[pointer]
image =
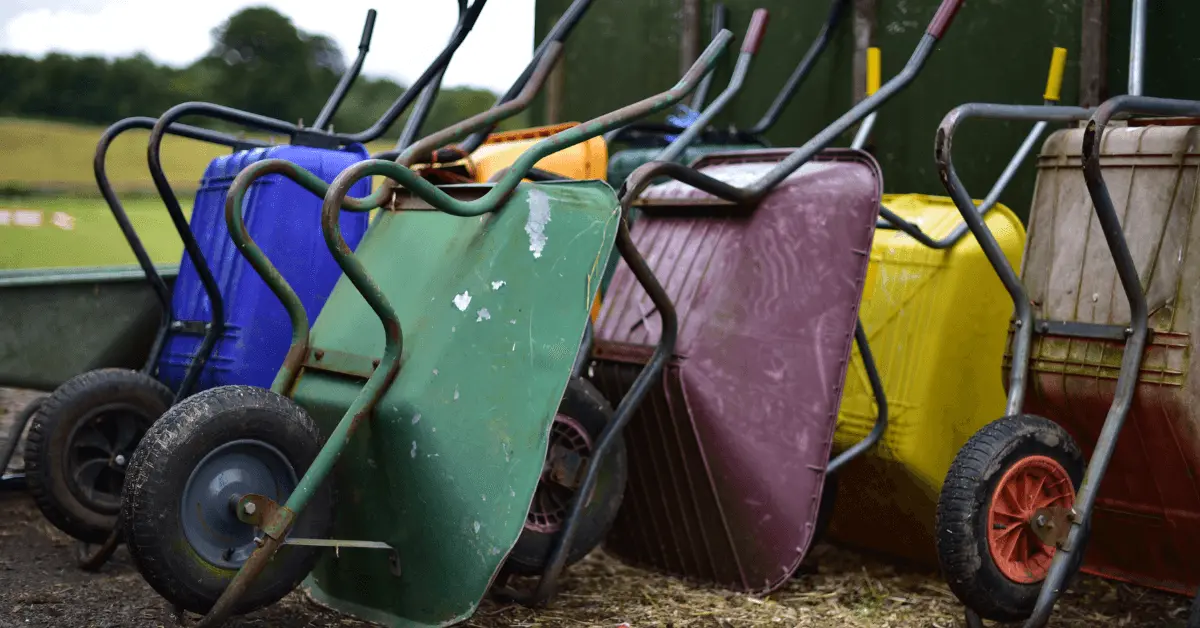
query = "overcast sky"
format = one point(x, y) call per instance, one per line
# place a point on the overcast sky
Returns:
point(408, 33)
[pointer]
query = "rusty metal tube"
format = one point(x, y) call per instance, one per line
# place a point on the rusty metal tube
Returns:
point(943, 151)
point(422, 149)
point(1135, 343)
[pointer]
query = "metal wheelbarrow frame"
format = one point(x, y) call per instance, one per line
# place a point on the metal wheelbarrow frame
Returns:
point(1062, 525)
point(274, 520)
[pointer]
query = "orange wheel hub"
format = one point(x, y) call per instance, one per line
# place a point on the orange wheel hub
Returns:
point(1032, 484)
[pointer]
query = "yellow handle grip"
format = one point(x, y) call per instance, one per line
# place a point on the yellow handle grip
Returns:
point(873, 70)
point(1058, 61)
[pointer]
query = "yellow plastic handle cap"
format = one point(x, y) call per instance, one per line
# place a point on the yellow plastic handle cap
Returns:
point(1058, 61)
point(873, 70)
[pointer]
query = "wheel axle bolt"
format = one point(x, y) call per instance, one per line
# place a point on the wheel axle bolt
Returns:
point(249, 508)
point(120, 460)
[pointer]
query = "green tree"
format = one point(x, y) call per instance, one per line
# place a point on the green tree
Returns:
point(272, 68)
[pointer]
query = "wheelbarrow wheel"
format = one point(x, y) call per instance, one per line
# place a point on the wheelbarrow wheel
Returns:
point(185, 480)
point(1194, 616)
point(79, 444)
point(582, 415)
point(16, 430)
point(825, 509)
point(1003, 486)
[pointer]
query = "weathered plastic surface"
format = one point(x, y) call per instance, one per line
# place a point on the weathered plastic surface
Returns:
point(57, 323)
point(585, 160)
point(623, 163)
point(727, 454)
point(446, 468)
point(1146, 524)
point(285, 220)
point(937, 322)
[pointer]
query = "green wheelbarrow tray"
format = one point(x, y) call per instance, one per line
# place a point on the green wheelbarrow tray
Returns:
point(107, 315)
point(494, 309)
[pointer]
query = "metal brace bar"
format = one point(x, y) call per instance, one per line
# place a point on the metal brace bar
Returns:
point(393, 555)
point(1077, 329)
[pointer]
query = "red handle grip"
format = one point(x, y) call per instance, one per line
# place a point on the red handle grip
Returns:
point(754, 34)
point(942, 19)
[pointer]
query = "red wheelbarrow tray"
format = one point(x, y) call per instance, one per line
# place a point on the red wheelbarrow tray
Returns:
point(728, 454)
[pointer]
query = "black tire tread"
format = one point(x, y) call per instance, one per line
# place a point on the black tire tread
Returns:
point(525, 558)
point(957, 543)
point(39, 441)
point(147, 531)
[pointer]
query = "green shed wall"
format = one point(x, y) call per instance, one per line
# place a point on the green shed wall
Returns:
point(996, 51)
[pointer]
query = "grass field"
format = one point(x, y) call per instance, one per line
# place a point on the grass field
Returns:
point(72, 225)
point(38, 155)
point(91, 236)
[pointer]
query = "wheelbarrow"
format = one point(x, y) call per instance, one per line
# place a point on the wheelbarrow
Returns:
point(930, 287)
point(82, 436)
point(429, 504)
point(646, 140)
point(1082, 352)
point(764, 255)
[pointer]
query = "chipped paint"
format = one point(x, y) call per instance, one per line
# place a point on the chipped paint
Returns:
point(483, 315)
point(414, 449)
point(476, 527)
point(461, 301)
point(456, 393)
point(496, 285)
point(416, 418)
point(535, 226)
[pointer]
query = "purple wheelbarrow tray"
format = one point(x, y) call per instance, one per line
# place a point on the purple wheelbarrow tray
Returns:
point(728, 454)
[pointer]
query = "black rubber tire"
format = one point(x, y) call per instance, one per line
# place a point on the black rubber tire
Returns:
point(825, 510)
point(16, 430)
point(962, 545)
point(160, 470)
point(1194, 616)
point(48, 439)
point(585, 404)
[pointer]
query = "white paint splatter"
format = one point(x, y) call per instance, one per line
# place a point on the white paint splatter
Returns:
point(483, 315)
point(539, 215)
point(414, 449)
point(476, 527)
point(461, 301)
point(514, 346)
point(496, 285)
point(483, 497)
point(416, 418)
point(512, 321)
point(435, 371)
point(456, 393)
point(435, 429)
point(512, 493)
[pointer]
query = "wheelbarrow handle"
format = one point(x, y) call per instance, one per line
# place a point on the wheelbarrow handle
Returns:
point(348, 77)
point(754, 32)
point(423, 148)
point(943, 18)
point(261, 264)
point(889, 219)
point(100, 171)
point(754, 35)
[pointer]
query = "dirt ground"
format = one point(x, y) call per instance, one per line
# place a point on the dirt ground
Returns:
point(40, 586)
